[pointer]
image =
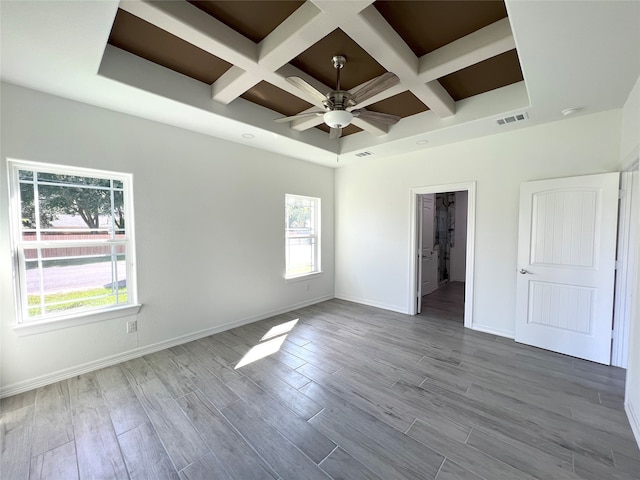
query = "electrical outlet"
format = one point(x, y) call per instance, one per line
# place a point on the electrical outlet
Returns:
point(132, 326)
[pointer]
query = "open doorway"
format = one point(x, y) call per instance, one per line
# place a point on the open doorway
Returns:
point(443, 241)
point(442, 245)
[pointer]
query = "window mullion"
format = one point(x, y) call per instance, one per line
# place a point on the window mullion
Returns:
point(115, 285)
point(36, 205)
point(112, 230)
point(114, 272)
point(40, 281)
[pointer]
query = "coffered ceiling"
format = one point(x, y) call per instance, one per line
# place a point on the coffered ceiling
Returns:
point(221, 67)
point(441, 51)
point(303, 37)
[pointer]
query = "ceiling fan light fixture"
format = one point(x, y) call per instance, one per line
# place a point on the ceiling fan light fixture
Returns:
point(337, 118)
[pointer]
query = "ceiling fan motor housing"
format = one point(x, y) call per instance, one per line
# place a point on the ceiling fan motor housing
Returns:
point(337, 115)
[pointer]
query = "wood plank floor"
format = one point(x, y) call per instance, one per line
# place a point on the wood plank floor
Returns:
point(343, 391)
point(445, 303)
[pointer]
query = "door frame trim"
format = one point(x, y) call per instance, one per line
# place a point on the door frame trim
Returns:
point(470, 188)
point(625, 260)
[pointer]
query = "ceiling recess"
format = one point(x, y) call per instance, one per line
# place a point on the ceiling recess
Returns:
point(213, 42)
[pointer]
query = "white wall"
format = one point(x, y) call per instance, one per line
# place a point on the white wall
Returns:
point(373, 208)
point(630, 143)
point(459, 249)
point(630, 126)
point(209, 228)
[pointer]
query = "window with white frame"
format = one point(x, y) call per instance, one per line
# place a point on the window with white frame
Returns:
point(72, 232)
point(302, 235)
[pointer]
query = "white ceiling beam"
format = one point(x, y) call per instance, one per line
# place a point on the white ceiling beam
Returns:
point(474, 48)
point(233, 83)
point(372, 32)
point(439, 100)
point(341, 9)
point(196, 27)
point(299, 31)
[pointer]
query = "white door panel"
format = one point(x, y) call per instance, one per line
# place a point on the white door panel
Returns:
point(566, 262)
point(429, 270)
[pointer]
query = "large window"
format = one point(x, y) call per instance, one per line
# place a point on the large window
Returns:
point(73, 241)
point(302, 235)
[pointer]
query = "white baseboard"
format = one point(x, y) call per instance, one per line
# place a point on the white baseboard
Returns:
point(634, 420)
point(371, 303)
point(493, 331)
point(30, 384)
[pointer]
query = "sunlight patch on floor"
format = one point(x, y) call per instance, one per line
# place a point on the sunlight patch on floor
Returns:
point(270, 343)
point(285, 327)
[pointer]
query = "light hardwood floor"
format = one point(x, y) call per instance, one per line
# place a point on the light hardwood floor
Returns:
point(353, 392)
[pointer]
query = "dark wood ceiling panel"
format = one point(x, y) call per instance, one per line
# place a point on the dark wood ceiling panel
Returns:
point(316, 61)
point(428, 25)
point(403, 105)
point(482, 77)
point(253, 19)
point(136, 36)
point(276, 99)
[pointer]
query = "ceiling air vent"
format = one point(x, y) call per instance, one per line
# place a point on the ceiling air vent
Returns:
point(513, 118)
point(363, 154)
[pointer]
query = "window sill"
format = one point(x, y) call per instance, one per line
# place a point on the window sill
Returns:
point(32, 328)
point(300, 278)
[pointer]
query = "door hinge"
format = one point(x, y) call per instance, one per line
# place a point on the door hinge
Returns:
point(617, 265)
point(620, 194)
point(613, 334)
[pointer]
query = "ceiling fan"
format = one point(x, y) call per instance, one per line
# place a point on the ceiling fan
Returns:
point(339, 104)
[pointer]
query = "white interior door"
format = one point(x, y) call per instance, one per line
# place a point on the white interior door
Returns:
point(429, 256)
point(566, 265)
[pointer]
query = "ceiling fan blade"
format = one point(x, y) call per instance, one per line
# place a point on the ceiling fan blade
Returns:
point(374, 87)
point(335, 133)
point(385, 118)
point(296, 117)
point(308, 88)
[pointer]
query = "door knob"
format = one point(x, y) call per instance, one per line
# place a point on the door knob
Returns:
point(523, 271)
